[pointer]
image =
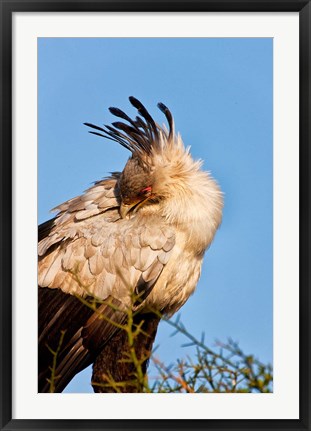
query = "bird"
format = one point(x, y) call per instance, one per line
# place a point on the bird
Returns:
point(130, 247)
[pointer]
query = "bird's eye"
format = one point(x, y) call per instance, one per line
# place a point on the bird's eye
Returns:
point(145, 191)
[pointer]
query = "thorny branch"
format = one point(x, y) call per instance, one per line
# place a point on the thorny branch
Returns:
point(228, 369)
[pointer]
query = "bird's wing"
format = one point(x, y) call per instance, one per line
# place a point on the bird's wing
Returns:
point(101, 198)
point(74, 331)
point(89, 250)
point(101, 256)
point(118, 266)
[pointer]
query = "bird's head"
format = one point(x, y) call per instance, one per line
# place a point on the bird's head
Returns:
point(138, 183)
point(160, 169)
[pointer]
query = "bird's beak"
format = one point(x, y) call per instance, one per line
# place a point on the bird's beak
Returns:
point(126, 208)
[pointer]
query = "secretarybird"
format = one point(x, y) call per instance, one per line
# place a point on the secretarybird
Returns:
point(133, 241)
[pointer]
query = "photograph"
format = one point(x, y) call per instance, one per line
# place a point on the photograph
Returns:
point(155, 215)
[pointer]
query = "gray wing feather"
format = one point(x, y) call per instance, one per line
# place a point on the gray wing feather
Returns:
point(95, 256)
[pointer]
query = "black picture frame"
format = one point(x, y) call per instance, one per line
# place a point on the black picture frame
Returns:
point(7, 9)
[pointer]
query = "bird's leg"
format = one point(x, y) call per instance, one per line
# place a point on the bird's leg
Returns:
point(114, 369)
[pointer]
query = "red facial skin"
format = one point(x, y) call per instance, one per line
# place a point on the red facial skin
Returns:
point(146, 189)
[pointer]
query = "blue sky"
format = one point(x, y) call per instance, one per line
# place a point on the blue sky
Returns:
point(220, 93)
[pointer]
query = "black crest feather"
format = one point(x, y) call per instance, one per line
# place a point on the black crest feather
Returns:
point(141, 134)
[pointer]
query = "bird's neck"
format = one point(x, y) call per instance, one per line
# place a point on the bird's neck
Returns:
point(192, 199)
point(196, 210)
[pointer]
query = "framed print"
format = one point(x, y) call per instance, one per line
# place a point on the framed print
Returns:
point(235, 77)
